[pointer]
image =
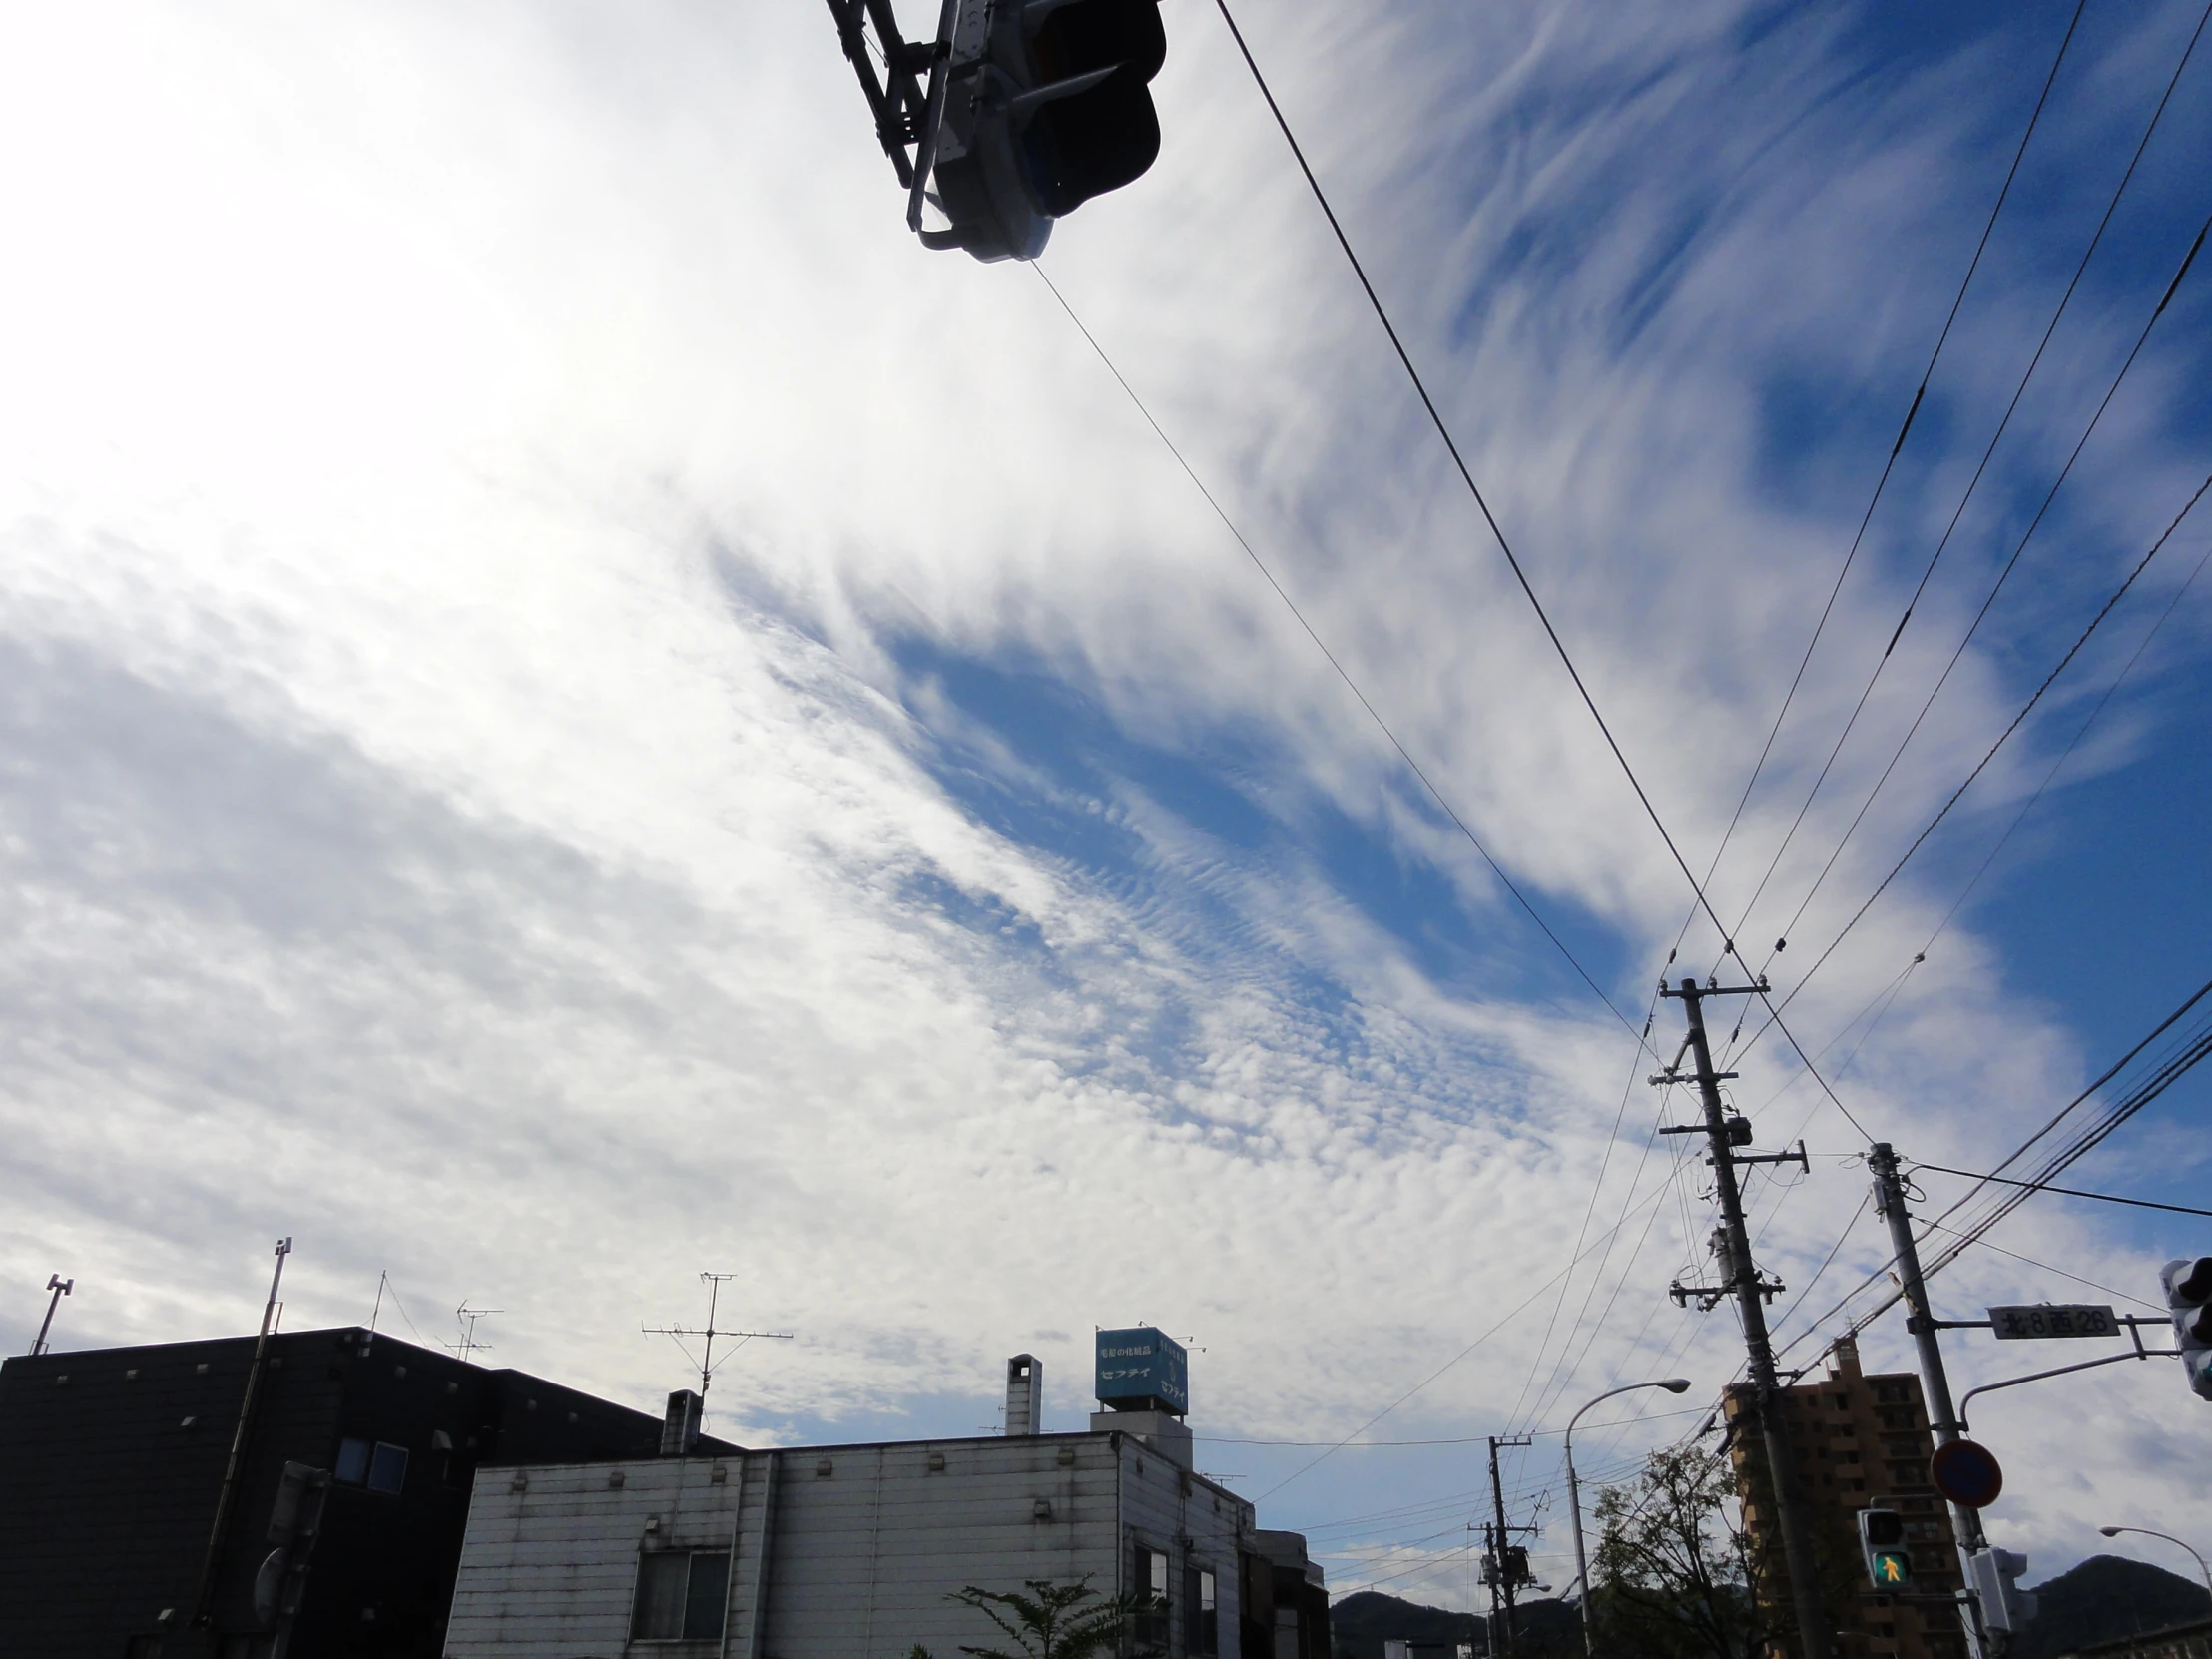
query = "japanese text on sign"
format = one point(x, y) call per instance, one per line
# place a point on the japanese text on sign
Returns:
point(2054, 1318)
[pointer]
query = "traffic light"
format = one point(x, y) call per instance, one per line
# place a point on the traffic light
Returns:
point(1994, 1573)
point(2188, 1284)
point(1033, 107)
point(1882, 1542)
point(1048, 105)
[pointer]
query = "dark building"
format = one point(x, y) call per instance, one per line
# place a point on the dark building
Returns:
point(1286, 1604)
point(1861, 1442)
point(112, 1470)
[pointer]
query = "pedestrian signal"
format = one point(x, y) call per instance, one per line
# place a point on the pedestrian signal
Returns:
point(1882, 1542)
point(2188, 1284)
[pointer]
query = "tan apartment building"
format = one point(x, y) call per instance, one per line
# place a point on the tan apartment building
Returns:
point(1859, 1443)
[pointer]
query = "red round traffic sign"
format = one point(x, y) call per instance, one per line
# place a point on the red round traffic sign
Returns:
point(1967, 1472)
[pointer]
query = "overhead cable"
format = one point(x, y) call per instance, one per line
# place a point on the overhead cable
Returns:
point(1466, 475)
point(1342, 674)
point(1882, 483)
point(1988, 452)
point(2004, 736)
point(2070, 1192)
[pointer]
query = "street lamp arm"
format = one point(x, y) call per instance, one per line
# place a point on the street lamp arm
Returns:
point(1673, 1384)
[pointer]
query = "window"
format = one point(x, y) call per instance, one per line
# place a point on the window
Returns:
point(1149, 1627)
point(376, 1465)
point(387, 1469)
point(681, 1595)
point(352, 1468)
point(1204, 1634)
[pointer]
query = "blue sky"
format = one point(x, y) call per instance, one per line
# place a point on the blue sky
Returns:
point(581, 710)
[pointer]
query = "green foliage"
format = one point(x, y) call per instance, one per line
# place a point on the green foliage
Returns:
point(1675, 1576)
point(1051, 1621)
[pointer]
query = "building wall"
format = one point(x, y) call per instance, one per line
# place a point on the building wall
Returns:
point(849, 1552)
point(1861, 1442)
point(111, 1469)
point(2180, 1641)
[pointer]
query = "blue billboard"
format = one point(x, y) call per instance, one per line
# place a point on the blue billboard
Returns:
point(1143, 1369)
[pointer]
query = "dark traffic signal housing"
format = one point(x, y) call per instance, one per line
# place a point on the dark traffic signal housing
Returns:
point(1030, 108)
point(2188, 1285)
point(1882, 1542)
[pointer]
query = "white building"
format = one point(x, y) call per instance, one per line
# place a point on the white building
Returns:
point(852, 1551)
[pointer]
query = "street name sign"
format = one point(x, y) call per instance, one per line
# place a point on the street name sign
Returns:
point(2052, 1318)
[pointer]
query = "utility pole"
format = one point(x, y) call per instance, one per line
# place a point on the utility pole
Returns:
point(60, 1287)
point(1494, 1570)
point(714, 1283)
point(1740, 1278)
point(1943, 1418)
point(204, 1602)
point(1504, 1579)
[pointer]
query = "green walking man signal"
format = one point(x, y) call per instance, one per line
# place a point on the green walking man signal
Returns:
point(1881, 1541)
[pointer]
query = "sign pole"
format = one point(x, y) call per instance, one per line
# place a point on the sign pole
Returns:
point(1943, 1420)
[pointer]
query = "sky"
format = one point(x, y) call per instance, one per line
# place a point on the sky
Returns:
point(581, 711)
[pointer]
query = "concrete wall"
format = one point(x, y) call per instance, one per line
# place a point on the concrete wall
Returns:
point(846, 1551)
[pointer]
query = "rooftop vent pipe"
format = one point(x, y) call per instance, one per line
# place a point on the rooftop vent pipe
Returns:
point(1024, 1395)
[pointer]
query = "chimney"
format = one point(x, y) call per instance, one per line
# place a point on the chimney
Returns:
point(1024, 1395)
point(679, 1428)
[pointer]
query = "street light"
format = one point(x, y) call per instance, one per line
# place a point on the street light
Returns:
point(2115, 1532)
point(1673, 1385)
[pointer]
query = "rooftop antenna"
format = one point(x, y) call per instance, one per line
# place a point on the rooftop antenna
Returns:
point(60, 1287)
point(466, 1316)
point(676, 1333)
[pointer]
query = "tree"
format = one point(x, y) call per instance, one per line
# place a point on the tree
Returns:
point(1675, 1576)
point(1051, 1621)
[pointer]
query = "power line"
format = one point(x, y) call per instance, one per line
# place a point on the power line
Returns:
point(2070, 1192)
point(1459, 1440)
point(1887, 467)
point(1466, 475)
point(2067, 753)
point(2019, 391)
point(1889, 994)
point(2124, 1296)
point(2003, 577)
point(2003, 738)
point(1628, 1090)
point(1322, 645)
point(2170, 1069)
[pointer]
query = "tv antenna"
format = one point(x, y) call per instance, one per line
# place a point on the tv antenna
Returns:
point(466, 1316)
point(706, 1360)
point(60, 1287)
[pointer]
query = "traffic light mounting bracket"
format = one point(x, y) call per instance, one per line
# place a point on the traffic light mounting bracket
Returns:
point(908, 114)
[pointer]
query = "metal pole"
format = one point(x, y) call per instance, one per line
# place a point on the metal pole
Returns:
point(1504, 1584)
point(1673, 1385)
point(1743, 1279)
point(60, 1287)
point(1581, 1565)
point(238, 1443)
point(1943, 1416)
point(1498, 1571)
